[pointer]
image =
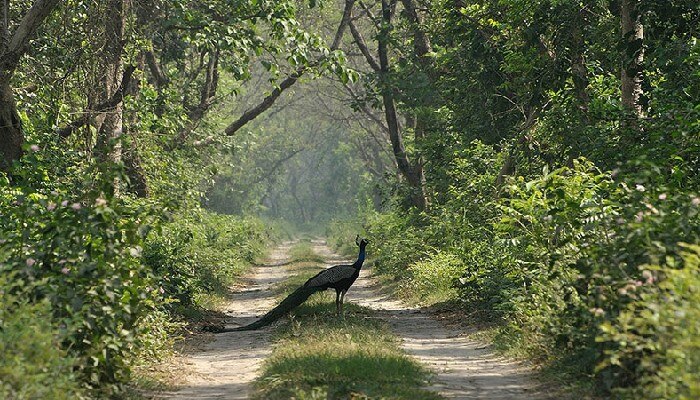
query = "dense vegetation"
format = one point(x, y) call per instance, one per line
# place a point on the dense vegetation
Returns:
point(105, 246)
point(561, 194)
point(532, 164)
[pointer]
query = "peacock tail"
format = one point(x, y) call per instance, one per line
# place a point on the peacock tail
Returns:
point(288, 304)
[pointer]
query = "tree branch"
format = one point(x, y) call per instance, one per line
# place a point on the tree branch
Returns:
point(268, 101)
point(366, 109)
point(16, 47)
point(362, 45)
point(206, 98)
point(110, 103)
point(156, 71)
point(276, 166)
point(347, 13)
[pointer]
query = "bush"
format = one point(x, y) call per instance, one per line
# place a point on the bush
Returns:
point(564, 262)
point(341, 236)
point(396, 242)
point(655, 337)
point(202, 253)
point(33, 365)
point(545, 226)
point(81, 256)
point(575, 239)
point(434, 278)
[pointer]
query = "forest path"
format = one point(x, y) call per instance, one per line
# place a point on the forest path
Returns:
point(226, 367)
point(464, 368)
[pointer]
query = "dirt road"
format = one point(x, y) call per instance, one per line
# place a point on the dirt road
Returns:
point(464, 368)
point(226, 367)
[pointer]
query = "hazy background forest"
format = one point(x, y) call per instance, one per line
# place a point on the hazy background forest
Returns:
point(532, 164)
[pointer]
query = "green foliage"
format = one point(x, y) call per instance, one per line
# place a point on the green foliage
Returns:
point(561, 261)
point(654, 337)
point(554, 212)
point(341, 234)
point(395, 251)
point(575, 239)
point(81, 255)
point(202, 253)
point(549, 201)
point(545, 227)
point(99, 270)
point(435, 278)
point(33, 365)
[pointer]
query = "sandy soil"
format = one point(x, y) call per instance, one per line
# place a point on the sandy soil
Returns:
point(225, 367)
point(464, 368)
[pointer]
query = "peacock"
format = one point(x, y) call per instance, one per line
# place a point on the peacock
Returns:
point(339, 277)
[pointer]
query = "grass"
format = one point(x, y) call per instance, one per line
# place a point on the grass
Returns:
point(304, 251)
point(319, 356)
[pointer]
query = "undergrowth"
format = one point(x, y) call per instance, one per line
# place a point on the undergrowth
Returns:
point(577, 269)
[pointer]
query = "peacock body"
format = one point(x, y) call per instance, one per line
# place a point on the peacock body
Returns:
point(338, 277)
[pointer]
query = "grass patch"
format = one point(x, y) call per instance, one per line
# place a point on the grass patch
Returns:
point(319, 356)
point(304, 251)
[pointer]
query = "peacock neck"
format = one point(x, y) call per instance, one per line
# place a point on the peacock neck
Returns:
point(360, 258)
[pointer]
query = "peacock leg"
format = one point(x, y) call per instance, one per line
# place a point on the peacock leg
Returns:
point(342, 301)
point(338, 303)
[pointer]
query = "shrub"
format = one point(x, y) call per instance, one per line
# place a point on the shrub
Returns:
point(396, 242)
point(81, 256)
point(655, 337)
point(434, 278)
point(341, 236)
point(202, 253)
point(561, 260)
point(33, 365)
point(545, 225)
point(572, 243)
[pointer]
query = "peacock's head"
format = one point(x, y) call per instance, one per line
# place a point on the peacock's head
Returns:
point(361, 242)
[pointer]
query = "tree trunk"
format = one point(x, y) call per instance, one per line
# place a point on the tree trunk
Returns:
point(111, 126)
point(138, 184)
point(413, 174)
point(421, 41)
point(631, 74)
point(420, 195)
point(579, 72)
point(11, 137)
point(12, 48)
point(300, 204)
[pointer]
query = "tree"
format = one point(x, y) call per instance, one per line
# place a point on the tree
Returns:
point(110, 122)
point(12, 48)
point(633, 56)
point(410, 167)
